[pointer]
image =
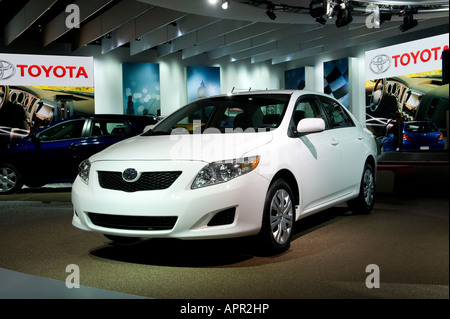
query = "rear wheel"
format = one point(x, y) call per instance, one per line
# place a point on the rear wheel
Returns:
point(363, 204)
point(10, 179)
point(278, 219)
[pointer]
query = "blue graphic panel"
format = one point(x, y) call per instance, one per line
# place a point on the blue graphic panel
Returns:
point(141, 88)
point(336, 81)
point(294, 79)
point(202, 82)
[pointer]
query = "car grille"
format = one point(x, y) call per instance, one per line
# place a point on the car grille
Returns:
point(146, 182)
point(133, 222)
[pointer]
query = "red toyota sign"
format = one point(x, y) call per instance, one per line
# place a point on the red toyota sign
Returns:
point(45, 70)
point(406, 58)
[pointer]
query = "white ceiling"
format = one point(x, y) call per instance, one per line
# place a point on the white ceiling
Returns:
point(195, 27)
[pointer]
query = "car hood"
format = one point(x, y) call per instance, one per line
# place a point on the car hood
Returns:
point(190, 147)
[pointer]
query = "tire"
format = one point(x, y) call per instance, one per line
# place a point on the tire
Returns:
point(10, 179)
point(278, 219)
point(363, 204)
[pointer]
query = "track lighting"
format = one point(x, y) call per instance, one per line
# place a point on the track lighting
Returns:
point(270, 13)
point(344, 16)
point(318, 8)
point(408, 20)
point(322, 10)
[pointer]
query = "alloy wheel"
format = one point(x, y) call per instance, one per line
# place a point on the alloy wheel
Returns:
point(8, 179)
point(368, 187)
point(281, 216)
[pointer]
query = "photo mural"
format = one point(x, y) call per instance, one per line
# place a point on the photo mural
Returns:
point(336, 81)
point(202, 82)
point(406, 96)
point(38, 90)
point(295, 79)
point(141, 89)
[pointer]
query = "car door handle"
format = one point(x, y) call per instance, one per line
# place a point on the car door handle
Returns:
point(73, 146)
point(334, 142)
point(360, 138)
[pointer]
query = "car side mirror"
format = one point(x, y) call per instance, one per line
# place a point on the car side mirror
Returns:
point(310, 125)
point(35, 141)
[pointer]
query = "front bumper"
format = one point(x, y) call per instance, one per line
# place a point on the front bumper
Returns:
point(193, 209)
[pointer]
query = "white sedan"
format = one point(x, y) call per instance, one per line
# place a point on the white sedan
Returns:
point(245, 164)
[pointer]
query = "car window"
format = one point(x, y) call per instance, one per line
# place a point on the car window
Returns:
point(420, 127)
point(337, 116)
point(105, 127)
point(63, 131)
point(306, 108)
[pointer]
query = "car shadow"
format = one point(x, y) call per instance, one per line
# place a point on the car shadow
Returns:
point(207, 253)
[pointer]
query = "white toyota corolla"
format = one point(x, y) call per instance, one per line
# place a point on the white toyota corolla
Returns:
point(230, 166)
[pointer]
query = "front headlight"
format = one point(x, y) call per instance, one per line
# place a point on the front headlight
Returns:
point(223, 171)
point(83, 171)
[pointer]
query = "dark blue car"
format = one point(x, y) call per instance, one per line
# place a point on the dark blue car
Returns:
point(52, 154)
point(416, 136)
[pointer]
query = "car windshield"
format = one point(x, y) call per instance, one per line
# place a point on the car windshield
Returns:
point(234, 113)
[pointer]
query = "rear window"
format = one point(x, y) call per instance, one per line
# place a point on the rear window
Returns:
point(424, 127)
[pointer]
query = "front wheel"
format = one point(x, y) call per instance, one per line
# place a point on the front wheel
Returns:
point(10, 179)
point(278, 219)
point(363, 204)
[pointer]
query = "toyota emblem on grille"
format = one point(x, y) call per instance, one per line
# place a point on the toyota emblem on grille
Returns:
point(130, 175)
point(7, 70)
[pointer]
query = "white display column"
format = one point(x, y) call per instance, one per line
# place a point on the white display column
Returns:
point(357, 88)
point(310, 78)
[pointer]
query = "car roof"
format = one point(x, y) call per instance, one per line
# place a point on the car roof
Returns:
point(268, 92)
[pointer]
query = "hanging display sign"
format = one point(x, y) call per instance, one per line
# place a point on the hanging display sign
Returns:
point(406, 58)
point(46, 70)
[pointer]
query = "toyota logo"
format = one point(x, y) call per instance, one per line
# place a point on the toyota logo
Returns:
point(380, 64)
point(130, 175)
point(7, 70)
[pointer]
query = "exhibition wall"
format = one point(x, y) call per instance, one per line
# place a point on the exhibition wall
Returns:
point(235, 76)
point(239, 75)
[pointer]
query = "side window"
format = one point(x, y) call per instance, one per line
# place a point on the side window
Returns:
point(63, 131)
point(103, 127)
point(337, 116)
point(306, 109)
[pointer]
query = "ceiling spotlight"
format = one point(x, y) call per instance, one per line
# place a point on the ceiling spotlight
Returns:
point(270, 12)
point(318, 8)
point(212, 1)
point(385, 16)
point(408, 21)
point(225, 4)
point(344, 16)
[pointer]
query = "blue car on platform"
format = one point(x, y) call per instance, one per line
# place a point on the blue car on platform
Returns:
point(416, 136)
point(53, 154)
